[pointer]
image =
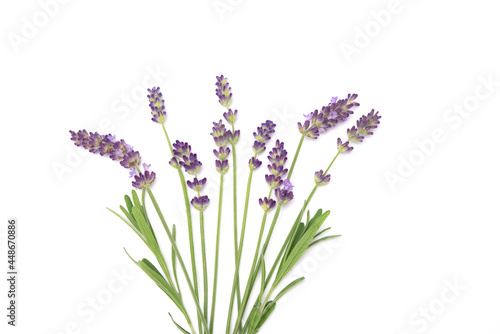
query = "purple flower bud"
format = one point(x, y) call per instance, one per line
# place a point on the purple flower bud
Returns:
point(191, 164)
point(283, 196)
point(230, 116)
point(267, 204)
point(222, 166)
point(80, 138)
point(233, 138)
point(343, 147)
point(264, 131)
point(218, 130)
point(221, 141)
point(200, 203)
point(174, 162)
point(222, 153)
point(144, 180)
point(321, 179)
point(197, 185)
point(181, 149)
point(157, 105)
point(254, 163)
point(131, 159)
point(277, 155)
point(273, 181)
point(258, 147)
point(223, 91)
point(277, 170)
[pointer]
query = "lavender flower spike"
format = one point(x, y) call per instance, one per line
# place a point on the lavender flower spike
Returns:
point(230, 116)
point(144, 180)
point(283, 196)
point(200, 203)
point(223, 91)
point(267, 204)
point(222, 166)
point(197, 185)
point(254, 163)
point(321, 179)
point(343, 147)
point(157, 105)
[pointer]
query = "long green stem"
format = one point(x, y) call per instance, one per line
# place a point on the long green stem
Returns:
point(216, 266)
point(235, 217)
point(204, 261)
point(179, 257)
point(240, 251)
point(295, 157)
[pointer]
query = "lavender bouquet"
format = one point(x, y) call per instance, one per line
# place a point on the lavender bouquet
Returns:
point(243, 315)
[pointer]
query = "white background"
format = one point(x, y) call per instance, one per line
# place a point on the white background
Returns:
point(404, 241)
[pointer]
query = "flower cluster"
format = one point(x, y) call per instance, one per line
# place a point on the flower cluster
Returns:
point(356, 134)
point(157, 105)
point(336, 111)
point(117, 150)
point(223, 91)
point(262, 136)
point(183, 157)
point(321, 179)
point(219, 133)
point(284, 194)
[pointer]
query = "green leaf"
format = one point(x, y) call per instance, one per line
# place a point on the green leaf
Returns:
point(132, 226)
point(324, 238)
point(129, 204)
point(322, 231)
point(313, 226)
point(130, 217)
point(288, 287)
point(146, 230)
point(253, 320)
point(178, 326)
point(135, 198)
point(316, 216)
point(267, 312)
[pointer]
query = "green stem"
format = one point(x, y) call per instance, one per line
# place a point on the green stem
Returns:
point(240, 251)
point(235, 218)
point(295, 157)
point(205, 271)
point(216, 266)
point(179, 257)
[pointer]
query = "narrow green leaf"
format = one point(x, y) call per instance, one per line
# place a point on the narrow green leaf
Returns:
point(322, 231)
point(253, 320)
point(135, 198)
point(146, 230)
point(267, 312)
point(129, 204)
point(316, 216)
point(308, 216)
point(130, 217)
point(324, 238)
point(178, 326)
point(162, 283)
point(288, 287)
point(129, 224)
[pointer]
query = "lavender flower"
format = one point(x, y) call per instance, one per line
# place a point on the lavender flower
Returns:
point(258, 147)
point(233, 137)
point(222, 153)
point(343, 147)
point(264, 131)
point(223, 91)
point(219, 129)
point(174, 162)
point(190, 163)
point(197, 185)
point(287, 185)
point(200, 203)
point(157, 105)
point(356, 134)
point(254, 163)
point(230, 116)
point(273, 181)
point(222, 166)
point(117, 150)
point(283, 196)
point(320, 179)
point(144, 180)
point(267, 204)
point(181, 149)
point(277, 170)
point(221, 141)
point(319, 122)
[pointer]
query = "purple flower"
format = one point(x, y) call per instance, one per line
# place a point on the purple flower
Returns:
point(233, 137)
point(283, 196)
point(181, 149)
point(364, 127)
point(200, 203)
point(223, 91)
point(131, 159)
point(321, 179)
point(197, 185)
point(343, 147)
point(277, 155)
point(157, 105)
point(219, 129)
point(258, 147)
point(190, 163)
point(174, 162)
point(273, 181)
point(264, 131)
point(277, 170)
point(267, 204)
point(254, 163)
point(287, 185)
point(80, 138)
point(221, 141)
point(319, 122)
point(222, 153)
point(222, 166)
point(230, 116)
point(144, 180)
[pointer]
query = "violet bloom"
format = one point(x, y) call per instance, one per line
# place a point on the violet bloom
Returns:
point(144, 180)
point(200, 203)
point(181, 149)
point(343, 147)
point(190, 163)
point(222, 153)
point(157, 105)
point(267, 204)
point(336, 111)
point(197, 185)
point(264, 131)
point(356, 134)
point(287, 185)
point(258, 147)
point(254, 163)
point(223, 91)
point(230, 116)
point(117, 150)
point(273, 181)
point(283, 196)
point(233, 137)
point(320, 179)
point(222, 166)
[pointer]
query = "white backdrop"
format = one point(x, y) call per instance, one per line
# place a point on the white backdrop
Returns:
point(415, 203)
